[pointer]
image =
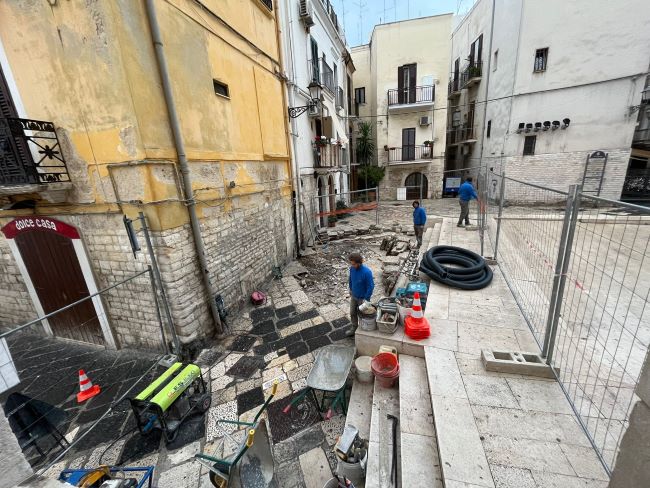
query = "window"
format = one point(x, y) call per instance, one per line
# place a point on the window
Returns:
point(476, 52)
point(406, 83)
point(541, 58)
point(495, 63)
point(529, 145)
point(221, 88)
point(315, 72)
point(489, 129)
point(360, 95)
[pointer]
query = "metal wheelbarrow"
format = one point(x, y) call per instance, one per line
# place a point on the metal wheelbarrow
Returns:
point(328, 375)
point(251, 463)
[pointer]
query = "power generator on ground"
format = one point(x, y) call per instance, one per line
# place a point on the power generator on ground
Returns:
point(170, 399)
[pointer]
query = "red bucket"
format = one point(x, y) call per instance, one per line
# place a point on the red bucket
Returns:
point(385, 368)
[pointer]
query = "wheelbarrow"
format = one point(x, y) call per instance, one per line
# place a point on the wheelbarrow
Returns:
point(328, 376)
point(251, 463)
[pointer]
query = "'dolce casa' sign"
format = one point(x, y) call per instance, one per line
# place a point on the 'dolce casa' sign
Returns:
point(42, 224)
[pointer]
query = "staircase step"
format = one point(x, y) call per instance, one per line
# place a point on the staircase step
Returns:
point(418, 447)
point(384, 401)
point(360, 408)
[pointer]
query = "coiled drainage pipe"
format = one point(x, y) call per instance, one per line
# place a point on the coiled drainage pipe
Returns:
point(457, 267)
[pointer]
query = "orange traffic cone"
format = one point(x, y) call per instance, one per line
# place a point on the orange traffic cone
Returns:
point(415, 325)
point(86, 388)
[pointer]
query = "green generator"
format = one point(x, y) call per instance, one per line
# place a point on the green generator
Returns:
point(170, 399)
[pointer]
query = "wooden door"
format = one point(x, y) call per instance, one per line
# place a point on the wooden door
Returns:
point(54, 269)
point(408, 144)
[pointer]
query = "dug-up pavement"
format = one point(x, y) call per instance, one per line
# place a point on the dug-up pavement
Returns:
point(476, 428)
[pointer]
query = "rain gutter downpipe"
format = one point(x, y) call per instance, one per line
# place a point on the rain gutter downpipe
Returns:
point(179, 143)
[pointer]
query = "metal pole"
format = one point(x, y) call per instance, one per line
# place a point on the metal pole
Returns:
point(559, 264)
point(177, 134)
point(155, 300)
point(565, 267)
point(377, 209)
point(502, 192)
point(69, 305)
point(156, 270)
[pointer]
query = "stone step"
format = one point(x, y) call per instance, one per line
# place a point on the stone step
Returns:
point(462, 458)
point(360, 408)
point(384, 401)
point(420, 466)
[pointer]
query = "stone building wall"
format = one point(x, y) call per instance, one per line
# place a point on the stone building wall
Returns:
point(560, 170)
point(396, 175)
point(15, 305)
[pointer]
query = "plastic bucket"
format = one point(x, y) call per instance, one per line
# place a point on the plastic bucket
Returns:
point(384, 364)
point(389, 380)
point(333, 483)
point(364, 370)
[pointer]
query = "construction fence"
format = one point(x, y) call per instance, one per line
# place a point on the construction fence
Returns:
point(579, 268)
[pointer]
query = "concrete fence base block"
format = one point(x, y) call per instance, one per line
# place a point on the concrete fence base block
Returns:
point(515, 362)
point(471, 227)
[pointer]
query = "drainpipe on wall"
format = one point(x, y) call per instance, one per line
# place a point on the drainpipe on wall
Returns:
point(487, 84)
point(290, 134)
point(179, 143)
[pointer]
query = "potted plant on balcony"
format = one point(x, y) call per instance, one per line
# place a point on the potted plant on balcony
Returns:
point(320, 141)
point(426, 150)
point(474, 71)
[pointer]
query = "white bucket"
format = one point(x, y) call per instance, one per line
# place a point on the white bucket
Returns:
point(367, 321)
point(364, 371)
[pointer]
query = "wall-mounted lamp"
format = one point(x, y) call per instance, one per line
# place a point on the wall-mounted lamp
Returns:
point(565, 123)
point(529, 127)
point(314, 93)
point(556, 125)
point(547, 125)
point(538, 126)
point(520, 129)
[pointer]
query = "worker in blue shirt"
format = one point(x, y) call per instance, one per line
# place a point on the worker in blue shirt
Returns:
point(466, 193)
point(361, 287)
point(419, 220)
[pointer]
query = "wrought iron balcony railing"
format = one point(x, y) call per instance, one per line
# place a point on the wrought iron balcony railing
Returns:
point(409, 153)
point(454, 86)
point(327, 156)
point(460, 134)
point(472, 72)
point(421, 94)
point(30, 153)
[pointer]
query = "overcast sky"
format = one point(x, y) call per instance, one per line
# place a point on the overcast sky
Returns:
point(362, 15)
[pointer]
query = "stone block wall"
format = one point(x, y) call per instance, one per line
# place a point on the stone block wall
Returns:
point(15, 305)
point(560, 170)
point(397, 174)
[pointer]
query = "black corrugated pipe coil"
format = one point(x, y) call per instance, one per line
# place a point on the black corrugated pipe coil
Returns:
point(456, 267)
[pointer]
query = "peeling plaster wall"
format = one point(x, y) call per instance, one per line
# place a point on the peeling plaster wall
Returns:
point(92, 72)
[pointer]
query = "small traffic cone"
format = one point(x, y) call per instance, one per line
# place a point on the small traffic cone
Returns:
point(415, 325)
point(86, 388)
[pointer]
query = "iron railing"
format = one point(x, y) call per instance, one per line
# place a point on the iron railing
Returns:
point(577, 265)
point(472, 71)
point(409, 153)
point(327, 77)
point(268, 4)
point(460, 134)
point(30, 153)
point(636, 185)
point(327, 156)
point(314, 71)
point(421, 94)
point(454, 86)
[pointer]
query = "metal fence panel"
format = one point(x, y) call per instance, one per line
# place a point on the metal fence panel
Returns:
point(579, 267)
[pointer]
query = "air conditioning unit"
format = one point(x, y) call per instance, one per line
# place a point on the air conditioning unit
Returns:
point(424, 120)
point(314, 111)
point(307, 13)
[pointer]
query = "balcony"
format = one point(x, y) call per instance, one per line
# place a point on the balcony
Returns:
point(472, 74)
point(453, 90)
point(30, 157)
point(460, 135)
point(327, 77)
point(409, 154)
point(327, 156)
point(420, 97)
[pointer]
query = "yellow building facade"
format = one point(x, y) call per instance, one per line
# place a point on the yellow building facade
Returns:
point(90, 68)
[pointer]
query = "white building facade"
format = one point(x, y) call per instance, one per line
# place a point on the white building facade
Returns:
point(537, 87)
point(400, 88)
point(315, 52)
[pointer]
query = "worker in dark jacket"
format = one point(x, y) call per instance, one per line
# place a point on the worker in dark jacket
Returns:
point(419, 220)
point(361, 288)
point(466, 193)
